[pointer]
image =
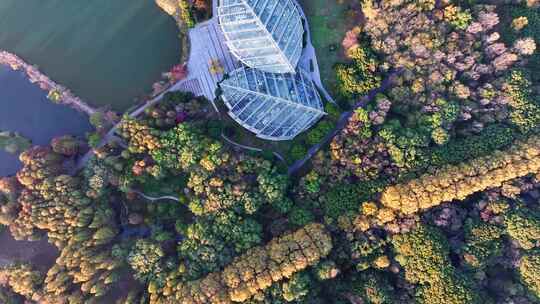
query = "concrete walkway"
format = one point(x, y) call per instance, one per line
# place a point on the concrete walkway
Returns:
point(159, 198)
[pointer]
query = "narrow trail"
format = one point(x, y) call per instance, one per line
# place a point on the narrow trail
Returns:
point(342, 122)
point(158, 198)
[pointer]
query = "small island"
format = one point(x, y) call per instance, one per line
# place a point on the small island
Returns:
point(13, 142)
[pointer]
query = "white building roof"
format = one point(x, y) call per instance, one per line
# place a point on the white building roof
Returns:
point(263, 34)
point(273, 106)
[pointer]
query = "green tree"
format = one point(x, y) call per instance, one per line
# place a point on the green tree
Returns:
point(423, 253)
point(145, 259)
point(523, 225)
point(297, 287)
point(373, 287)
point(482, 243)
point(529, 272)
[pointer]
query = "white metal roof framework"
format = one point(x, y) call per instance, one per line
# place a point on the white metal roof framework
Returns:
point(273, 106)
point(263, 34)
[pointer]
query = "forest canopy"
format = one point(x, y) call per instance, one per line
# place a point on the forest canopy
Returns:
point(426, 190)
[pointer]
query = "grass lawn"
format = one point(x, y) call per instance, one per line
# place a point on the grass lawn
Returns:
point(329, 20)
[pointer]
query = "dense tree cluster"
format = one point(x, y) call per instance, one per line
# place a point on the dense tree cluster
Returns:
point(66, 145)
point(23, 280)
point(358, 77)
point(141, 137)
point(524, 109)
point(224, 192)
point(174, 107)
point(451, 77)
point(9, 207)
point(256, 270)
point(212, 242)
point(144, 259)
point(529, 272)
point(179, 216)
point(453, 62)
point(424, 255)
point(483, 243)
point(523, 226)
point(373, 288)
point(457, 182)
point(523, 23)
point(218, 179)
point(357, 150)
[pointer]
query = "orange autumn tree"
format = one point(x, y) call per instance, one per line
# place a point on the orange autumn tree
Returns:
point(453, 182)
point(254, 271)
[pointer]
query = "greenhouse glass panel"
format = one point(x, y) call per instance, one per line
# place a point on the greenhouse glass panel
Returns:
point(273, 106)
point(272, 25)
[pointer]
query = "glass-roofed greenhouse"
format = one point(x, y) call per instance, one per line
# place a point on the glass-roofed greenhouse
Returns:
point(273, 106)
point(263, 34)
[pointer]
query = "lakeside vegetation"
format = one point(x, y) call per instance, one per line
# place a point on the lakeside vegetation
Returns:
point(429, 194)
point(13, 142)
point(104, 51)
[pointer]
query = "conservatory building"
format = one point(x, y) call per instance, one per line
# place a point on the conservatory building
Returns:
point(263, 34)
point(273, 106)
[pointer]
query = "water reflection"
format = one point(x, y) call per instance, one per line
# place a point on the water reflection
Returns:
point(24, 108)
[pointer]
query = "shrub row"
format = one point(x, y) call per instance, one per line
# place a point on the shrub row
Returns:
point(493, 137)
point(457, 182)
point(259, 267)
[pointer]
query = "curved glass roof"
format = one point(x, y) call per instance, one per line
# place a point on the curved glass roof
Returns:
point(273, 106)
point(263, 34)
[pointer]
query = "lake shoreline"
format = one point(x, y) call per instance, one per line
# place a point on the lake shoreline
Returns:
point(62, 94)
point(26, 110)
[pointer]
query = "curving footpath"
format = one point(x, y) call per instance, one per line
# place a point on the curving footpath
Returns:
point(159, 198)
point(232, 142)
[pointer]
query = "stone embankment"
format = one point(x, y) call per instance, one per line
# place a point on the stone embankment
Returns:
point(56, 92)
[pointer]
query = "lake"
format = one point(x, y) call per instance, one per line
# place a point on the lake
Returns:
point(24, 108)
point(108, 52)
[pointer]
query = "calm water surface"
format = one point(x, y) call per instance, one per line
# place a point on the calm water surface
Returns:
point(106, 51)
point(24, 108)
